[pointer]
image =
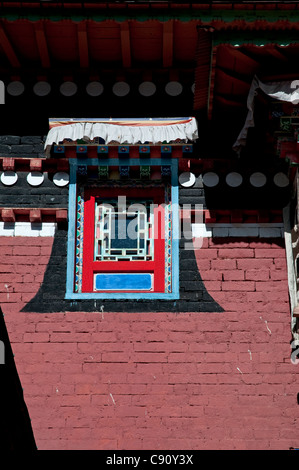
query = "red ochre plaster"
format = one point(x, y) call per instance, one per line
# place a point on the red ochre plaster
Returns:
point(159, 380)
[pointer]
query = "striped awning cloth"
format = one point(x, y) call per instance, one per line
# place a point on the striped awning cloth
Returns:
point(122, 131)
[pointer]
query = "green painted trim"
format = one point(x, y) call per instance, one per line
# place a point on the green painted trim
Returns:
point(206, 16)
point(257, 38)
point(233, 38)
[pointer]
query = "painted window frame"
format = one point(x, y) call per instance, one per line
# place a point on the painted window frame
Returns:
point(70, 288)
point(92, 267)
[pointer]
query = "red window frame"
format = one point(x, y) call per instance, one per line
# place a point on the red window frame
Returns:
point(155, 266)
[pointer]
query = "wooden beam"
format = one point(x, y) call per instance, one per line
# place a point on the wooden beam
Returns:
point(42, 45)
point(36, 164)
point(8, 164)
point(274, 52)
point(236, 216)
point(35, 215)
point(8, 215)
point(227, 84)
point(168, 43)
point(228, 102)
point(8, 49)
point(212, 83)
point(83, 45)
point(203, 69)
point(244, 58)
point(61, 215)
point(125, 43)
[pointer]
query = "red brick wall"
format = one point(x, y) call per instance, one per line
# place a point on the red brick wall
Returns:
point(160, 380)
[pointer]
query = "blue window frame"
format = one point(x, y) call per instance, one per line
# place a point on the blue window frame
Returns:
point(172, 270)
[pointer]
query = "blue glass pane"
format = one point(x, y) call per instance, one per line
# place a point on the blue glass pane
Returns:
point(123, 281)
point(120, 235)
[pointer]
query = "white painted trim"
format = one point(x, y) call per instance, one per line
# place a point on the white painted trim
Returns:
point(27, 229)
point(201, 230)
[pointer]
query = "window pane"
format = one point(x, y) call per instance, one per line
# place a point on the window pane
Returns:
point(125, 232)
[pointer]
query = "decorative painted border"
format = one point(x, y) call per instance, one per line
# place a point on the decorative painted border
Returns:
point(79, 240)
point(205, 15)
point(173, 255)
point(168, 239)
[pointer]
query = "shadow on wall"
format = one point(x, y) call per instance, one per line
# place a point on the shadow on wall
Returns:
point(50, 297)
point(15, 426)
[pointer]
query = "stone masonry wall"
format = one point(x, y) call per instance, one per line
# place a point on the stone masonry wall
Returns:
point(196, 380)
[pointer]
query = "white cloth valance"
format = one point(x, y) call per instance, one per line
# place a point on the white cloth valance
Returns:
point(122, 131)
point(282, 91)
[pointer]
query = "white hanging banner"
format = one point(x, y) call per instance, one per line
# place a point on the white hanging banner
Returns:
point(283, 91)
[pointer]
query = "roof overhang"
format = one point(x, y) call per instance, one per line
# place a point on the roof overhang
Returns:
point(159, 42)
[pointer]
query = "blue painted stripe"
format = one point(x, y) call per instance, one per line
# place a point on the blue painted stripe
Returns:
point(123, 281)
point(71, 228)
point(121, 295)
point(175, 228)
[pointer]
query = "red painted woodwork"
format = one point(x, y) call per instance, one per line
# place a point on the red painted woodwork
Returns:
point(36, 164)
point(35, 215)
point(8, 49)
point(8, 215)
point(42, 45)
point(90, 267)
point(61, 215)
point(8, 164)
point(83, 45)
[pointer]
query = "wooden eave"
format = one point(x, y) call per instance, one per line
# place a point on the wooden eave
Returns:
point(105, 39)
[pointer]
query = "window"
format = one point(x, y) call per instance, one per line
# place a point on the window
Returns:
point(123, 233)
point(124, 241)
